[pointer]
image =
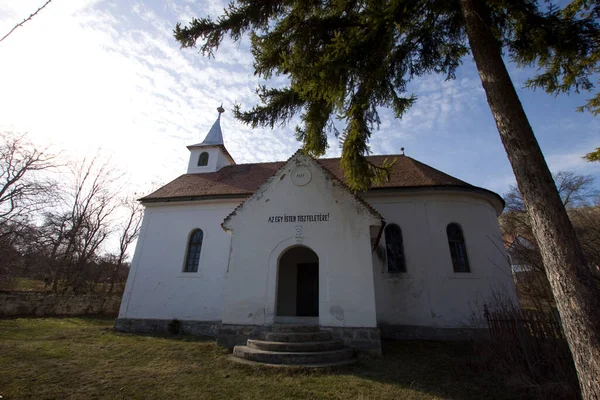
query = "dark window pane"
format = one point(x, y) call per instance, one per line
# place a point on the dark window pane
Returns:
point(194, 250)
point(394, 249)
point(458, 249)
point(203, 159)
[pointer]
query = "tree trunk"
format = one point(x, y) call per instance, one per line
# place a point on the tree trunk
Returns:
point(570, 278)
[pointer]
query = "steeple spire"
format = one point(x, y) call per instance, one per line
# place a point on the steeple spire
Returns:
point(210, 155)
point(215, 135)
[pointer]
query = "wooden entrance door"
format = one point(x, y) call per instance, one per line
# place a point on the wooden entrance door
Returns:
point(307, 290)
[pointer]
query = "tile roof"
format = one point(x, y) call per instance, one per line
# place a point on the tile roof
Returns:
point(243, 179)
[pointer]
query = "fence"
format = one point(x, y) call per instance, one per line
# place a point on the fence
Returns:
point(536, 325)
point(531, 346)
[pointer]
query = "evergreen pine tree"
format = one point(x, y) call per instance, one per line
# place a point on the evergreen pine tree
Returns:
point(346, 58)
point(565, 46)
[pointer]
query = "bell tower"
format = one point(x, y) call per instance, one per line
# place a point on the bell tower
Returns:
point(210, 155)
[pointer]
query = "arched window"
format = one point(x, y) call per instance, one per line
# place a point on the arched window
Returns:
point(193, 251)
point(394, 249)
point(458, 250)
point(203, 159)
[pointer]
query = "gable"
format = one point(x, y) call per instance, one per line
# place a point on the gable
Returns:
point(302, 185)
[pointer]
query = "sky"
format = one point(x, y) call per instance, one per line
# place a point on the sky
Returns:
point(103, 75)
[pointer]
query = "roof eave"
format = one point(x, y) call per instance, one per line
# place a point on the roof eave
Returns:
point(173, 199)
point(459, 188)
point(203, 145)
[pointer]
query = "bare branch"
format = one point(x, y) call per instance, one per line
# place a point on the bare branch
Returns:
point(23, 190)
point(78, 230)
point(25, 20)
point(574, 190)
point(130, 229)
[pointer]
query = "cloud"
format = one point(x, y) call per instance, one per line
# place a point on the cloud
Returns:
point(104, 74)
point(108, 74)
point(572, 161)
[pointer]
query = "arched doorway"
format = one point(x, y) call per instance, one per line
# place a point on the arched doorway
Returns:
point(298, 283)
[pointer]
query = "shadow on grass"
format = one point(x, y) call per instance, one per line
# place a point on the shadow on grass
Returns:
point(90, 350)
point(419, 369)
point(441, 369)
point(179, 337)
point(450, 370)
point(446, 369)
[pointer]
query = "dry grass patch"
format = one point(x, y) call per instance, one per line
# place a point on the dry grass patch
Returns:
point(76, 358)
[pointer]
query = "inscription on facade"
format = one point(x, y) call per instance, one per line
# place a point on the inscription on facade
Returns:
point(276, 219)
point(300, 176)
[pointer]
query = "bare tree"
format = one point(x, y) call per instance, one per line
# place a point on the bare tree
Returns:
point(76, 232)
point(577, 193)
point(129, 232)
point(532, 285)
point(22, 188)
point(77, 215)
point(586, 221)
point(25, 189)
point(574, 190)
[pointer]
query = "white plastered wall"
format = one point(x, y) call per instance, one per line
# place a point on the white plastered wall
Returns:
point(157, 287)
point(346, 291)
point(354, 286)
point(430, 293)
point(216, 159)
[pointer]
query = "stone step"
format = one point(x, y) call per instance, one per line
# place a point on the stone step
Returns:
point(296, 347)
point(290, 328)
point(293, 358)
point(296, 337)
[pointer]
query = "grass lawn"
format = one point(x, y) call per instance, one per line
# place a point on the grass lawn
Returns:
point(80, 358)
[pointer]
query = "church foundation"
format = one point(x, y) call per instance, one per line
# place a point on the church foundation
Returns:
point(359, 338)
point(164, 326)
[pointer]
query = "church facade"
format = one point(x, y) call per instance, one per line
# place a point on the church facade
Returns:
point(230, 250)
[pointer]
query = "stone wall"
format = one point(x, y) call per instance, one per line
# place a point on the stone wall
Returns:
point(360, 338)
point(13, 304)
point(164, 326)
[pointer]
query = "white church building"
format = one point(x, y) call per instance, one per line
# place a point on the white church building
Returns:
point(230, 250)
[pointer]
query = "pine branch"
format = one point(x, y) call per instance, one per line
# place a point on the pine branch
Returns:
point(25, 20)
